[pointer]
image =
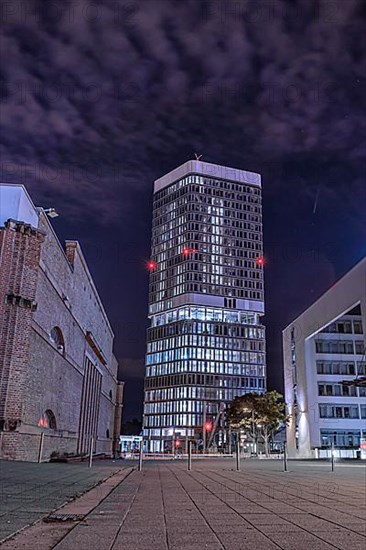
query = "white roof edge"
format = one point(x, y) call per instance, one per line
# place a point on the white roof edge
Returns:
point(360, 266)
point(207, 169)
point(23, 187)
point(17, 204)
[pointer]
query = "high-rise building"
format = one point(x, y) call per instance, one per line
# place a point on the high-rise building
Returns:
point(206, 343)
point(324, 366)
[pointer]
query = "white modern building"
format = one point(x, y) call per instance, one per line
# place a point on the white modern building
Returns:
point(324, 347)
point(206, 343)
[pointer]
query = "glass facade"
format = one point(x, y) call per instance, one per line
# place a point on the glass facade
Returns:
point(205, 344)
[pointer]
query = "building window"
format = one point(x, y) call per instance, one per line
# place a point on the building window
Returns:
point(359, 348)
point(89, 410)
point(332, 346)
point(338, 411)
point(336, 367)
point(357, 327)
point(57, 339)
point(336, 390)
point(47, 420)
point(340, 438)
point(361, 368)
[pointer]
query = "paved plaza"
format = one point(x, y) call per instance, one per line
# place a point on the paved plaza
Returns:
point(215, 507)
point(29, 491)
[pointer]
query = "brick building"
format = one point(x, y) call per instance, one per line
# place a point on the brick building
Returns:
point(58, 374)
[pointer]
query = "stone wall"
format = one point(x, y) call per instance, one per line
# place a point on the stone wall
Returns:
point(20, 247)
point(53, 375)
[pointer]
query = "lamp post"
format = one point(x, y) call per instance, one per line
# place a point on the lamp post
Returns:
point(284, 456)
point(238, 451)
point(205, 336)
point(91, 452)
point(204, 428)
point(141, 450)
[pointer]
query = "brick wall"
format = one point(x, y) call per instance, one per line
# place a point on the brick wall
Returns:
point(20, 247)
point(15, 445)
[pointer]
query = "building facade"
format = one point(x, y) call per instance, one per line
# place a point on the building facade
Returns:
point(324, 347)
point(58, 375)
point(206, 343)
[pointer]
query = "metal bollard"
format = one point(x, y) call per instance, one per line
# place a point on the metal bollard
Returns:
point(189, 455)
point(40, 450)
point(141, 450)
point(332, 457)
point(285, 457)
point(238, 454)
point(91, 452)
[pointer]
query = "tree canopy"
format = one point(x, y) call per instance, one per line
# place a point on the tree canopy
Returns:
point(258, 415)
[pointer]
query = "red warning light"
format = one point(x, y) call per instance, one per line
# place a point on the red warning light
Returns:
point(151, 265)
point(260, 261)
point(208, 426)
point(188, 251)
point(177, 443)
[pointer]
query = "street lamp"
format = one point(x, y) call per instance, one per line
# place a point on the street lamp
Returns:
point(51, 212)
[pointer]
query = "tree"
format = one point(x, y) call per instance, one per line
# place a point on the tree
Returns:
point(271, 412)
point(243, 415)
point(259, 415)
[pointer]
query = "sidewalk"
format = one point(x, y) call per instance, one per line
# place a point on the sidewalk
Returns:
point(29, 491)
point(213, 507)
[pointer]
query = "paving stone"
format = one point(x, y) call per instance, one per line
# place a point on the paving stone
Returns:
point(344, 540)
point(295, 541)
point(165, 507)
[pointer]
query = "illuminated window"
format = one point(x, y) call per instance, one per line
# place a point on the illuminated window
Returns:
point(57, 339)
point(47, 420)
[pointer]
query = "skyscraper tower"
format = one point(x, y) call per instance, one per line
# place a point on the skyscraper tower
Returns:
point(206, 343)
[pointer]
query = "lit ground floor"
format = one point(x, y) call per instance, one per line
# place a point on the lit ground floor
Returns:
point(215, 507)
point(344, 440)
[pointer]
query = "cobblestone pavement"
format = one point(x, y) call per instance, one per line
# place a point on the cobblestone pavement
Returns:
point(29, 491)
point(215, 507)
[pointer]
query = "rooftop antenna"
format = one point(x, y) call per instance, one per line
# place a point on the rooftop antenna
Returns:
point(198, 157)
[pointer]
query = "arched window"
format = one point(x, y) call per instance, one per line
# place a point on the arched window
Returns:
point(47, 420)
point(57, 338)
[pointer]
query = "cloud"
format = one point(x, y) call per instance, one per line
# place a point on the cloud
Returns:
point(131, 368)
point(97, 98)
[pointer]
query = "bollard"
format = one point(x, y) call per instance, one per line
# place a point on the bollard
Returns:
point(40, 450)
point(91, 452)
point(332, 457)
point(140, 456)
point(285, 456)
point(189, 455)
point(238, 454)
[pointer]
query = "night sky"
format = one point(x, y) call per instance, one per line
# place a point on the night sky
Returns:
point(98, 99)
